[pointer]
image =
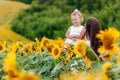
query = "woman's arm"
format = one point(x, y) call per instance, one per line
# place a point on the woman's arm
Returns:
point(82, 34)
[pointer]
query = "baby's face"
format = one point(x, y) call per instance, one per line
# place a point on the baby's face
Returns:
point(76, 20)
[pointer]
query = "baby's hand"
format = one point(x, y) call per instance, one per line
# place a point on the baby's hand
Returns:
point(72, 36)
point(74, 39)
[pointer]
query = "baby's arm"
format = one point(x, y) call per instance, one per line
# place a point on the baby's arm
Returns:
point(82, 34)
point(68, 34)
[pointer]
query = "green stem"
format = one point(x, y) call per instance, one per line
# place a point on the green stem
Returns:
point(95, 55)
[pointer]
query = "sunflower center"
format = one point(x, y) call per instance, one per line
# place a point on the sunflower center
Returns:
point(107, 42)
point(33, 48)
point(12, 74)
point(55, 51)
point(80, 50)
point(49, 48)
point(45, 43)
point(26, 50)
point(1, 48)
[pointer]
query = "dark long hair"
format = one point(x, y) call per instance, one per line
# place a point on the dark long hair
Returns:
point(92, 28)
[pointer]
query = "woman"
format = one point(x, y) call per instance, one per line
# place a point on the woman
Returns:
point(92, 28)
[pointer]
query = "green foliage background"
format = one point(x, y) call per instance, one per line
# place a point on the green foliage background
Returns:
point(51, 18)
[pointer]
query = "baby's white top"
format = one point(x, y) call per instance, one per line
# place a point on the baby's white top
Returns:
point(75, 30)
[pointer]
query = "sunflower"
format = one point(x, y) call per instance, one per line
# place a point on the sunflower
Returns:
point(49, 48)
point(109, 41)
point(88, 61)
point(38, 45)
point(56, 51)
point(107, 56)
point(9, 66)
point(29, 76)
point(80, 48)
point(12, 74)
point(15, 46)
point(69, 51)
point(59, 42)
point(9, 61)
point(105, 68)
point(45, 42)
point(37, 41)
point(39, 48)
point(25, 49)
point(3, 46)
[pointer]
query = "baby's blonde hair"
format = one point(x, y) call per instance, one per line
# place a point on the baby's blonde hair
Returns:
point(77, 12)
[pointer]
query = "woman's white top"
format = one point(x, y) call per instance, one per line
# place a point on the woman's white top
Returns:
point(74, 31)
point(87, 42)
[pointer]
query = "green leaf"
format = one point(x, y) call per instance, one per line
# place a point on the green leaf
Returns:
point(90, 54)
point(48, 58)
point(46, 78)
point(46, 68)
point(68, 65)
point(34, 61)
point(96, 65)
point(116, 72)
point(118, 43)
point(56, 69)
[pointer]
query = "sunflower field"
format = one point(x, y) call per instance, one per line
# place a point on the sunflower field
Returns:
point(49, 59)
